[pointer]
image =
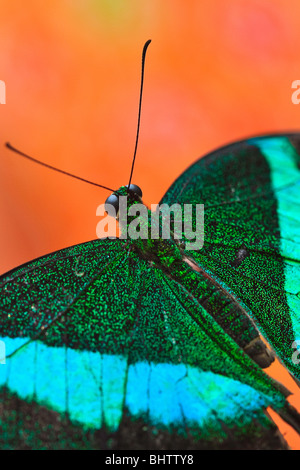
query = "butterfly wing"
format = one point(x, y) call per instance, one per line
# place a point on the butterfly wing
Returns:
point(250, 192)
point(103, 350)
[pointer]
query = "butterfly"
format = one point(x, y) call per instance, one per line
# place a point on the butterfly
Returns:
point(124, 343)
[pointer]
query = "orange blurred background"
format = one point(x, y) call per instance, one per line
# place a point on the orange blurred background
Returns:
point(215, 72)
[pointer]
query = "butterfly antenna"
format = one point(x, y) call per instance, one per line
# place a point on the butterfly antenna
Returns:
point(10, 147)
point(140, 106)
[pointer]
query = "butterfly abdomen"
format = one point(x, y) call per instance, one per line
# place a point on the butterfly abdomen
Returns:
point(209, 294)
point(225, 309)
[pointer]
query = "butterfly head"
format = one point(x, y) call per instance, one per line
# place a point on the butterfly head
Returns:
point(133, 193)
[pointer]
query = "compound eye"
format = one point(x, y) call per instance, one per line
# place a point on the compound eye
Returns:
point(135, 189)
point(112, 200)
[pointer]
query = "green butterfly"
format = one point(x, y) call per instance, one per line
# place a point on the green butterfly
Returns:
point(144, 343)
point(147, 338)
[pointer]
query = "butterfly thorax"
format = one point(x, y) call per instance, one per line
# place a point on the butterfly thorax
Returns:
point(143, 229)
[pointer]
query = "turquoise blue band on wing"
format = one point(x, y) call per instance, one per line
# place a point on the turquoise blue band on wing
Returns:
point(94, 388)
point(283, 176)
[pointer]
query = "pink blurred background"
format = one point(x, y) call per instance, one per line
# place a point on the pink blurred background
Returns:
point(215, 72)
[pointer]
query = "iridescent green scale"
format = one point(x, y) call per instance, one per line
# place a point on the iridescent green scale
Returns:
point(122, 343)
